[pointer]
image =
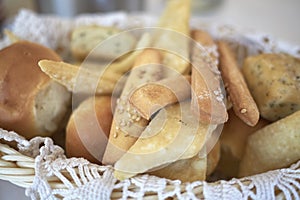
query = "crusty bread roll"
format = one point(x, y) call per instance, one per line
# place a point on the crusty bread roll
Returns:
point(30, 102)
point(273, 147)
point(88, 128)
point(273, 80)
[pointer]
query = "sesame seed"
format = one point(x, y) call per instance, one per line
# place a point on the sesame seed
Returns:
point(216, 92)
point(122, 123)
point(120, 110)
point(138, 118)
point(134, 116)
point(219, 98)
point(115, 134)
point(244, 110)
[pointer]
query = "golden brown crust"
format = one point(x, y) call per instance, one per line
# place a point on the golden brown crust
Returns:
point(20, 81)
point(207, 99)
point(127, 125)
point(243, 104)
point(71, 77)
point(88, 129)
point(151, 97)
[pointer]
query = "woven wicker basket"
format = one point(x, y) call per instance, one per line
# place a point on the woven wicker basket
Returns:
point(19, 170)
point(41, 167)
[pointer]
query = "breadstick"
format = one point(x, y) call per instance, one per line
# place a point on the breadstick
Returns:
point(243, 104)
point(177, 23)
point(76, 78)
point(207, 98)
point(127, 123)
point(151, 97)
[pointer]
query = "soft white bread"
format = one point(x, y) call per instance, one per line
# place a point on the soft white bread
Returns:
point(30, 102)
point(88, 128)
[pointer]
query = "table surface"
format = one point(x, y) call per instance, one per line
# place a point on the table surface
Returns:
point(277, 17)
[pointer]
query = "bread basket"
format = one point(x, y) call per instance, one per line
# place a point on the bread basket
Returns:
point(41, 167)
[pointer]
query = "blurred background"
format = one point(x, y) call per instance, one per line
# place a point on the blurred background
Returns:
point(276, 17)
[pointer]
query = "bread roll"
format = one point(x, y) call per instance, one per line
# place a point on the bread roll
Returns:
point(213, 158)
point(235, 133)
point(233, 142)
point(273, 80)
point(30, 102)
point(186, 170)
point(272, 147)
point(86, 40)
point(88, 129)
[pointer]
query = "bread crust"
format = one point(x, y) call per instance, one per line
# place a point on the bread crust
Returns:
point(88, 129)
point(20, 81)
point(243, 103)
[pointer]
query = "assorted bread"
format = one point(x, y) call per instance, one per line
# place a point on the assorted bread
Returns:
point(152, 111)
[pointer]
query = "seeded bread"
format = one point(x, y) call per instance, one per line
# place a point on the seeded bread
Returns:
point(30, 102)
point(110, 42)
point(274, 81)
point(127, 124)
